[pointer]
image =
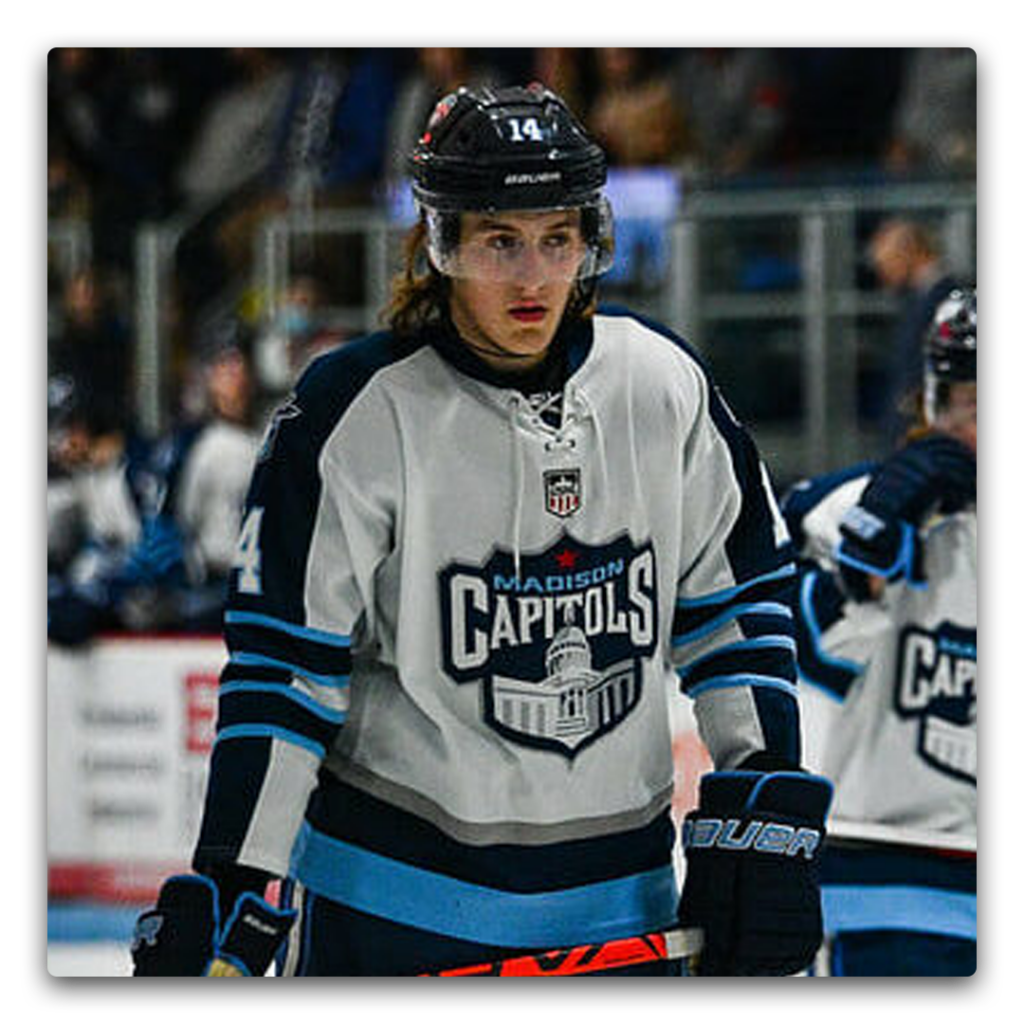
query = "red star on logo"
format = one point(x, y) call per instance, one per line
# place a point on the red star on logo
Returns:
point(566, 559)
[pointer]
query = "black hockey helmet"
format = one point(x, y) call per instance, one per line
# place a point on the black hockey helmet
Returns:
point(950, 347)
point(506, 149)
point(518, 148)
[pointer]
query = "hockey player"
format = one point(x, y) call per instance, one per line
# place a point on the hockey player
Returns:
point(476, 547)
point(888, 629)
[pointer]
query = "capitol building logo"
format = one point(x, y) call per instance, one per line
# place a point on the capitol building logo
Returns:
point(573, 705)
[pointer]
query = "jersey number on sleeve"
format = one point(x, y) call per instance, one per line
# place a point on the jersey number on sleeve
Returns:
point(247, 554)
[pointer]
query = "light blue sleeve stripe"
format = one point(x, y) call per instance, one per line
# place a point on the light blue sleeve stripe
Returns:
point(414, 896)
point(742, 679)
point(247, 660)
point(319, 636)
point(813, 627)
point(903, 907)
point(243, 686)
point(274, 732)
point(720, 596)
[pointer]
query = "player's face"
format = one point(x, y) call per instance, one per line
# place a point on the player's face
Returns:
point(959, 415)
point(514, 278)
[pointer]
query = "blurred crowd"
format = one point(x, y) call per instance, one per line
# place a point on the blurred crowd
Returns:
point(141, 528)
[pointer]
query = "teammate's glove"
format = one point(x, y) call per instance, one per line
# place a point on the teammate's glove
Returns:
point(753, 848)
point(182, 936)
point(879, 534)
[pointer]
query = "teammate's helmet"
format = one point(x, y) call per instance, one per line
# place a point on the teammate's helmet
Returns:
point(509, 149)
point(950, 347)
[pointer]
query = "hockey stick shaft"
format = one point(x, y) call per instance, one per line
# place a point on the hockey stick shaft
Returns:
point(676, 944)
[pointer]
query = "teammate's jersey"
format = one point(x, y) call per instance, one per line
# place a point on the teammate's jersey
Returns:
point(900, 740)
point(211, 490)
point(452, 621)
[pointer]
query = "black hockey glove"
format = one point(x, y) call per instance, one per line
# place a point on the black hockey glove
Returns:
point(753, 848)
point(879, 534)
point(182, 936)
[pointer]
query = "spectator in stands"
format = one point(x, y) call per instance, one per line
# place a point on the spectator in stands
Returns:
point(72, 74)
point(565, 70)
point(90, 347)
point(281, 347)
point(735, 99)
point(120, 117)
point(634, 113)
point(235, 141)
point(93, 514)
point(438, 71)
point(332, 153)
point(935, 122)
point(348, 157)
point(150, 106)
point(840, 105)
point(907, 262)
point(67, 192)
point(220, 178)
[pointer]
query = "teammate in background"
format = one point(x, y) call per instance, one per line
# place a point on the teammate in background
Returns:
point(475, 549)
point(887, 626)
point(203, 472)
point(152, 525)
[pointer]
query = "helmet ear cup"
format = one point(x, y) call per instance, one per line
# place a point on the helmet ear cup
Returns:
point(450, 232)
point(597, 227)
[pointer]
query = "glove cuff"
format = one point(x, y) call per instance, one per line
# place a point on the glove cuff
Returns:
point(253, 933)
point(793, 794)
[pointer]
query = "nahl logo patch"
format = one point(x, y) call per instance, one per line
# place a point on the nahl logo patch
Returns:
point(563, 492)
point(556, 648)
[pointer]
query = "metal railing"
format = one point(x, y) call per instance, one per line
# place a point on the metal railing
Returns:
point(826, 303)
point(824, 322)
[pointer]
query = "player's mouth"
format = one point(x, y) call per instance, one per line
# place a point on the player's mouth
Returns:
point(528, 312)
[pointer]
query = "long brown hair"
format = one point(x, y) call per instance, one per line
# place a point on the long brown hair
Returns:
point(419, 293)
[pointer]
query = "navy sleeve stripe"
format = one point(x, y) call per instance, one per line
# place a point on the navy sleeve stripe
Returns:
point(774, 661)
point(319, 636)
point(272, 732)
point(245, 709)
point(247, 659)
point(290, 649)
point(331, 715)
point(778, 713)
point(255, 673)
point(742, 679)
point(756, 618)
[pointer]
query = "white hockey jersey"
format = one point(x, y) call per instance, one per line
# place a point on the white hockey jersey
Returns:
point(211, 490)
point(452, 620)
point(898, 733)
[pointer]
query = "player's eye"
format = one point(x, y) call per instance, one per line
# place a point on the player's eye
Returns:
point(503, 243)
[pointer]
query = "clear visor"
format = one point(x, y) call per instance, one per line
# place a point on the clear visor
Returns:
point(521, 245)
